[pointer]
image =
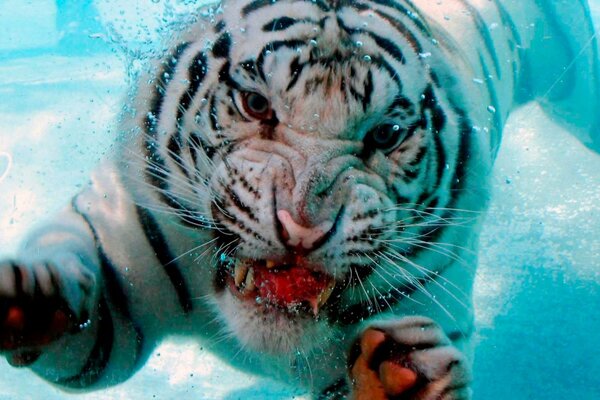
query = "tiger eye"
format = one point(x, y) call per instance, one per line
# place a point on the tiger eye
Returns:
point(256, 105)
point(384, 137)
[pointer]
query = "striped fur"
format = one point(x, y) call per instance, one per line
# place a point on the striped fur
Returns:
point(386, 117)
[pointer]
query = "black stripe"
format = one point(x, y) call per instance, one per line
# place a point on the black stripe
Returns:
point(403, 30)
point(383, 64)
point(258, 4)
point(98, 359)
point(222, 46)
point(438, 122)
point(115, 290)
point(386, 44)
point(389, 46)
point(483, 30)
point(175, 147)
point(196, 74)
point(402, 103)
point(212, 113)
point(112, 284)
point(273, 47)
point(508, 22)
point(413, 14)
point(163, 79)
point(166, 258)
point(496, 131)
point(368, 91)
point(250, 67)
point(219, 26)
point(199, 143)
point(237, 202)
point(279, 24)
point(295, 71)
point(18, 279)
point(419, 156)
point(156, 170)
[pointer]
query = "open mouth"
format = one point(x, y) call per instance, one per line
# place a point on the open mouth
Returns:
point(288, 286)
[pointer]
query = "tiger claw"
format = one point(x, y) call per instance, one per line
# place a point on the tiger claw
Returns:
point(32, 324)
point(21, 359)
point(31, 318)
point(410, 359)
point(378, 381)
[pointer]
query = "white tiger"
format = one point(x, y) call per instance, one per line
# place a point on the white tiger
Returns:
point(303, 179)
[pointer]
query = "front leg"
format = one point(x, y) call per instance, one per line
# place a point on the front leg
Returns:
point(62, 308)
point(409, 359)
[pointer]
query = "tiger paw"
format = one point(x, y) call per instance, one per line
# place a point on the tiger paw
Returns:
point(39, 304)
point(410, 359)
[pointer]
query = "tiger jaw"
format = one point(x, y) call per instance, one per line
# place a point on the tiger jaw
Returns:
point(290, 287)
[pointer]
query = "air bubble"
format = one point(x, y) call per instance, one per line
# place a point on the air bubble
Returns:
point(491, 109)
point(367, 58)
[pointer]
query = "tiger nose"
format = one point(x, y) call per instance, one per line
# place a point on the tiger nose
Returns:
point(302, 237)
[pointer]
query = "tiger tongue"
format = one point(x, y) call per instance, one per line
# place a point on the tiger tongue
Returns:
point(291, 286)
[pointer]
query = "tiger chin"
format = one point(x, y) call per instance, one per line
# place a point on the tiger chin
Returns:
point(300, 187)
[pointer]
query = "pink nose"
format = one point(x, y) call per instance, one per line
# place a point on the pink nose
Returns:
point(300, 236)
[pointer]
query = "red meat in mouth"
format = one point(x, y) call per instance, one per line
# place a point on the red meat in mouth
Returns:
point(283, 285)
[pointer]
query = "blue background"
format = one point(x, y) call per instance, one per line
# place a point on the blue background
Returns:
point(64, 70)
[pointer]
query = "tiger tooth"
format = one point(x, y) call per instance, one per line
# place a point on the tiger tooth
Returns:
point(240, 273)
point(325, 294)
point(249, 283)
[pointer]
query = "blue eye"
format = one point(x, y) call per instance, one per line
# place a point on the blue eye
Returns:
point(384, 137)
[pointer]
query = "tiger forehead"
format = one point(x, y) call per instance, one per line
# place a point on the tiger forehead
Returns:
point(308, 59)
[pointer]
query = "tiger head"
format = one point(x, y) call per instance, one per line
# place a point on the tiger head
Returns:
point(326, 154)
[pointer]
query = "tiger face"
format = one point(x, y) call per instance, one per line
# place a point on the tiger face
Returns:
point(325, 169)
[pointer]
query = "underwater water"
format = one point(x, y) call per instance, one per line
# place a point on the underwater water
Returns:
point(63, 76)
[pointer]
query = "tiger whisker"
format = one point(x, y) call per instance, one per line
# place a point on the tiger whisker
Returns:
point(434, 281)
point(390, 284)
point(367, 297)
point(444, 246)
point(210, 242)
point(424, 245)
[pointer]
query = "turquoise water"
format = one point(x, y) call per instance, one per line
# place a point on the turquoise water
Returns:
point(63, 75)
